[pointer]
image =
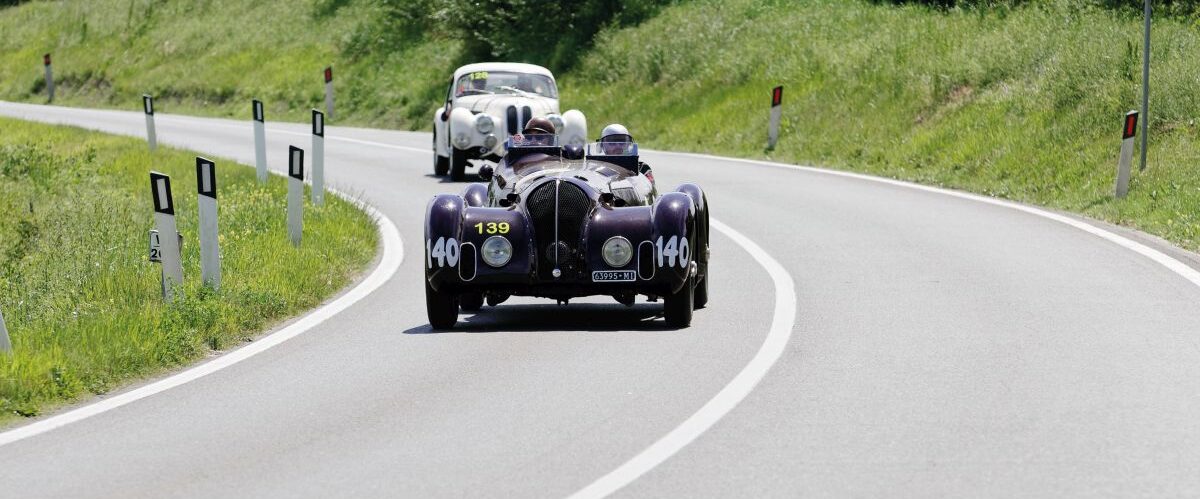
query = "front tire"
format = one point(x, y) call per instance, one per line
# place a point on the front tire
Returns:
point(700, 296)
point(677, 306)
point(441, 165)
point(440, 307)
point(458, 164)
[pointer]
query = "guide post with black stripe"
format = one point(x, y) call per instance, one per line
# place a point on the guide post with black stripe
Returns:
point(260, 141)
point(164, 244)
point(318, 157)
point(148, 108)
point(329, 91)
point(295, 203)
point(776, 112)
point(1123, 164)
point(210, 251)
point(5, 344)
point(49, 77)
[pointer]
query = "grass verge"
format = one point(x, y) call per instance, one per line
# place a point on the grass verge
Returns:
point(83, 304)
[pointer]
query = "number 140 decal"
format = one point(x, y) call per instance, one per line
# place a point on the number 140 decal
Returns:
point(443, 251)
point(676, 247)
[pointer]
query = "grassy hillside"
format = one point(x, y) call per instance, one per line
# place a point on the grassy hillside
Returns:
point(81, 301)
point(1020, 102)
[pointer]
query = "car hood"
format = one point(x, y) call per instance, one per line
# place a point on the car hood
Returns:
point(498, 104)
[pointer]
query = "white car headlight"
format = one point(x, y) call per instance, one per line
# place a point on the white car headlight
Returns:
point(496, 251)
point(461, 141)
point(557, 121)
point(489, 142)
point(484, 123)
point(617, 251)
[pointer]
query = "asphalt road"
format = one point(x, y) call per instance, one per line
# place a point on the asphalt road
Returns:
point(940, 346)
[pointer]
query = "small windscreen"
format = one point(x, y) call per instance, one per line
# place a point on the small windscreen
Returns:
point(612, 149)
point(532, 140)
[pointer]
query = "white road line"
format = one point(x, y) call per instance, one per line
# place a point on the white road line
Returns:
point(393, 256)
point(1172, 264)
point(729, 397)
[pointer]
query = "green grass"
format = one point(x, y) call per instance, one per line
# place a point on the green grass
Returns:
point(1023, 103)
point(83, 304)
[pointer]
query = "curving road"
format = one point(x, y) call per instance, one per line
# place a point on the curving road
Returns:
point(918, 344)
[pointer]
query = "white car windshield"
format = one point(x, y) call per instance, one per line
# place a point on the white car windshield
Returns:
point(504, 82)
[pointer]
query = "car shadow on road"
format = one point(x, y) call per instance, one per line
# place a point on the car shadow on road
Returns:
point(591, 317)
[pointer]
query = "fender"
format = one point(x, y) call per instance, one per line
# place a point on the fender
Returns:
point(701, 204)
point(475, 195)
point(441, 137)
point(462, 121)
point(674, 237)
point(443, 231)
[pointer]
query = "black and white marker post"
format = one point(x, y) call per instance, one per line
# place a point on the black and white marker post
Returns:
point(49, 77)
point(168, 243)
point(260, 141)
point(210, 250)
point(776, 111)
point(295, 203)
point(318, 157)
point(5, 344)
point(1123, 165)
point(329, 91)
point(148, 108)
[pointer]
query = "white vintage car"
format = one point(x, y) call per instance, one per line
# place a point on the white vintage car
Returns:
point(489, 102)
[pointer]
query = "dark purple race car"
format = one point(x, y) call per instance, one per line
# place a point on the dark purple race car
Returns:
point(564, 222)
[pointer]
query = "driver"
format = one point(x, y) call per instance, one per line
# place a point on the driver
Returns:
point(615, 140)
point(539, 131)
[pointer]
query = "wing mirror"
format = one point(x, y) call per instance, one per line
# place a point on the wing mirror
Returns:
point(486, 172)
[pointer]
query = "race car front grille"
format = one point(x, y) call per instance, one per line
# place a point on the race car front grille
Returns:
point(573, 209)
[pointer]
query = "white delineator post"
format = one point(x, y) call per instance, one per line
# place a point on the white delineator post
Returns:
point(295, 202)
point(260, 141)
point(329, 91)
point(148, 108)
point(168, 242)
point(210, 250)
point(1123, 165)
point(776, 111)
point(49, 77)
point(318, 158)
point(5, 344)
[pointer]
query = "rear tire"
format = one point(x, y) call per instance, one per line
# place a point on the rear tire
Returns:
point(700, 296)
point(441, 308)
point(677, 306)
point(458, 164)
point(471, 302)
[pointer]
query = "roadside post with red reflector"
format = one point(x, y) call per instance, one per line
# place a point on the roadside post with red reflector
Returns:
point(318, 157)
point(49, 77)
point(776, 111)
point(1123, 165)
point(165, 240)
point(210, 251)
point(260, 140)
point(148, 108)
point(329, 91)
point(295, 203)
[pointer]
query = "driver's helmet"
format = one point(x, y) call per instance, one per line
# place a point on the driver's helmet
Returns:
point(615, 139)
point(539, 130)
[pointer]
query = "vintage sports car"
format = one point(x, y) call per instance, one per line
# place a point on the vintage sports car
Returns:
point(488, 102)
point(562, 222)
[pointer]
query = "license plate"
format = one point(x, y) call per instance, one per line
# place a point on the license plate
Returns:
point(614, 276)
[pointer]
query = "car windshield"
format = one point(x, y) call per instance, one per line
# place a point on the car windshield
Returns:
point(504, 82)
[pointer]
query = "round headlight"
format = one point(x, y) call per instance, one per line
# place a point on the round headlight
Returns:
point(557, 121)
point(484, 123)
point(461, 141)
point(490, 141)
point(496, 251)
point(617, 251)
